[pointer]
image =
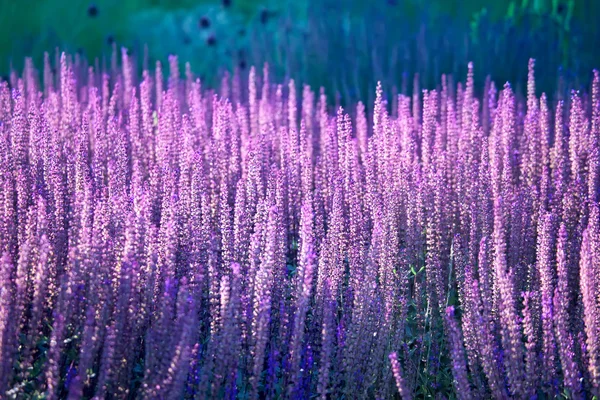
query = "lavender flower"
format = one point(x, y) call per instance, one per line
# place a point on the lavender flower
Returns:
point(160, 239)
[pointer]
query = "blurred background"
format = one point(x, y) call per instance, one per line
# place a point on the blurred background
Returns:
point(343, 45)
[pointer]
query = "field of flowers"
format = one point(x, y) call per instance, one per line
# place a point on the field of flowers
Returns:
point(162, 240)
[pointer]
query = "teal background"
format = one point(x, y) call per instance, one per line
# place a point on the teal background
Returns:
point(341, 44)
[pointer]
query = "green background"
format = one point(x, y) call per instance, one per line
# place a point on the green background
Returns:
point(341, 44)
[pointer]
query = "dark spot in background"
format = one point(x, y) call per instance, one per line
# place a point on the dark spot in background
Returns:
point(211, 40)
point(187, 40)
point(264, 16)
point(242, 32)
point(560, 9)
point(204, 22)
point(92, 10)
point(110, 39)
point(242, 64)
point(392, 2)
point(226, 3)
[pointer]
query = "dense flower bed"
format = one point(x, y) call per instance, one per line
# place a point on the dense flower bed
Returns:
point(163, 241)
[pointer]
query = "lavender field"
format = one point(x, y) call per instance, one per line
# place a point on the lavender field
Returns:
point(161, 240)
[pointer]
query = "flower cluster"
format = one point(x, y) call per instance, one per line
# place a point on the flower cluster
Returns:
point(161, 240)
